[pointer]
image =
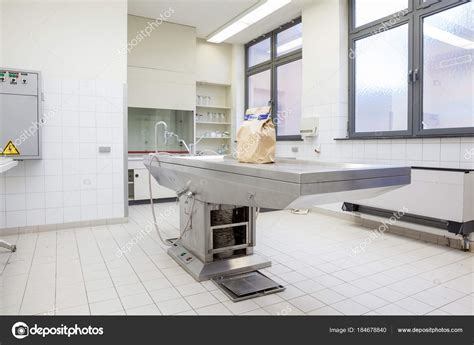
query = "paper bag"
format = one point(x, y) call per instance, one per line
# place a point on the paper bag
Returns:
point(256, 138)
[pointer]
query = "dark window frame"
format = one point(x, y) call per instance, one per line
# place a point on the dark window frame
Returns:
point(272, 64)
point(415, 13)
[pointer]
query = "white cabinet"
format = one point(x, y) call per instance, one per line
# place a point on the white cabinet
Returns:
point(141, 187)
point(138, 183)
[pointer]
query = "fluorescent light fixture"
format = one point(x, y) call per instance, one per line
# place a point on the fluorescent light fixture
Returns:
point(227, 32)
point(248, 19)
point(290, 45)
point(446, 37)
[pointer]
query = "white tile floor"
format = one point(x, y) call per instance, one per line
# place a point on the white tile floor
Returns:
point(78, 272)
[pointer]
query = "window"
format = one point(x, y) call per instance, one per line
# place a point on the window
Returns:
point(448, 52)
point(289, 40)
point(411, 68)
point(289, 98)
point(274, 77)
point(259, 52)
point(259, 89)
point(367, 11)
point(381, 99)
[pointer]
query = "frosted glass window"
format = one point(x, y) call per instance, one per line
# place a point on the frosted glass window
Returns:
point(259, 88)
point(259, 52)
point(367, 11)
point(141, 129)
point(448, 75)
point(381, 87)
point(289, 84)
point(289, 40)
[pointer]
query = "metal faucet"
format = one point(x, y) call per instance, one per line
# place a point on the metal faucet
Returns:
point(186, 146)
point(193, 146)
point(165, 134)
point(169, 135)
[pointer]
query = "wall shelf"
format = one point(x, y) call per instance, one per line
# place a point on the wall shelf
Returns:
point(218, 100)
point(212, 107)
point(203, 82)
point(212, 123)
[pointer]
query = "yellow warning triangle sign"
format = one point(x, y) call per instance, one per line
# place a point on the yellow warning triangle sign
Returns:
point(11, 150)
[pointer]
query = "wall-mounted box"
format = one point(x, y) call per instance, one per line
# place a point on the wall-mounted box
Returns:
point(21, 112)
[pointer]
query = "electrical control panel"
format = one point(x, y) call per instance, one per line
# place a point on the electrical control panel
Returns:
point(21, 117)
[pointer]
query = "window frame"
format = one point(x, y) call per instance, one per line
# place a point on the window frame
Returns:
point(272, 64)
point(254, 71)
point(417, 11)
point(368, 32)
point(370, 25)
point(433, 9)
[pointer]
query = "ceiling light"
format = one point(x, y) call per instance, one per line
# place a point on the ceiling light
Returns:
point(227, 32)
point(447, 37)
point(248, 19)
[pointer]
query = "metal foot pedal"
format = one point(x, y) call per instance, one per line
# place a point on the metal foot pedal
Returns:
point(248, 285)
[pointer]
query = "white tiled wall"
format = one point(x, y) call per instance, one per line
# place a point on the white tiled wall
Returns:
point(325, 95)
point(73, 182)
point(437, 153)
point(84, 73)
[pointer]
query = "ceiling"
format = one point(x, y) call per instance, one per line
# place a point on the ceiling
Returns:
point(207, 16)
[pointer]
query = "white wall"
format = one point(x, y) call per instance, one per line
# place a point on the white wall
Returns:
point(76, 45)
point(162, 67)
point(238, 88)
point(325, 90)
point(213, 62)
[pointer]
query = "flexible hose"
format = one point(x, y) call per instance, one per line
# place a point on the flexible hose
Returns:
point(257, 213)
point(188, 223)
point(155, 222)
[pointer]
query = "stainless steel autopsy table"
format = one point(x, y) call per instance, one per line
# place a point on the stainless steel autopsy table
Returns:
point(226, 196)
